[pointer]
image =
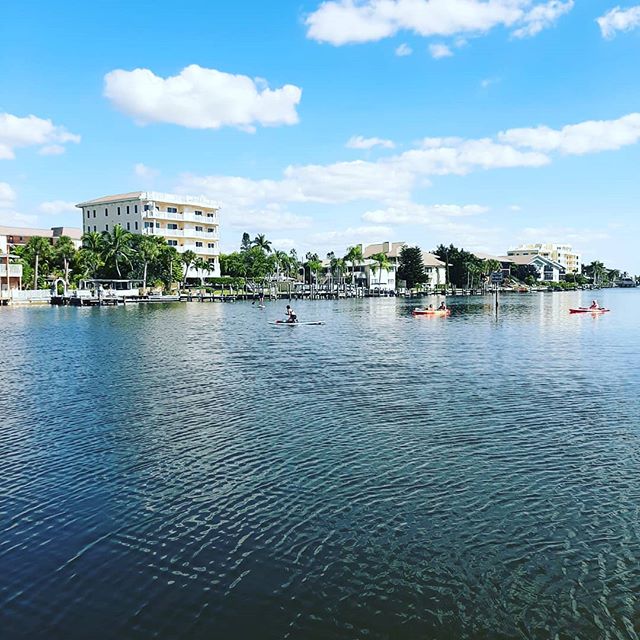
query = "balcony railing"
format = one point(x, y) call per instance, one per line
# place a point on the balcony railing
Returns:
point(15, 271)
point(187, 216)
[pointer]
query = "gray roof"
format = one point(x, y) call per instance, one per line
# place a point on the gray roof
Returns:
point(132, 195)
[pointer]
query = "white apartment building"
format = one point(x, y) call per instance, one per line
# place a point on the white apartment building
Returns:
point(563, 254)
point(186, 222)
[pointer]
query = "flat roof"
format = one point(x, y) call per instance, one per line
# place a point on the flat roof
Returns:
point(171, 198)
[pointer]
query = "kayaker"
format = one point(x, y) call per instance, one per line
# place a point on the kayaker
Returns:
point(442, 307)
point(430, 308)
point(291, 315)
point(594, 305)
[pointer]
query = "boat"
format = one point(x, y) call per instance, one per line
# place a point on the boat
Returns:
point(284, 323)
point(431, 312)
point(588, 310)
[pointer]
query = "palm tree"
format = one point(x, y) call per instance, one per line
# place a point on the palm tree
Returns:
point(148, 251)
point(355, 257)
point(382, 262)
point(188, 259)
point(261, 241)
point(117, 247)
point(281, 262)
point(201, 265)
point(65, 250)
point(38, 248)
point(92, 241)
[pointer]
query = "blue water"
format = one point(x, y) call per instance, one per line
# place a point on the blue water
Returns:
point(189, 471)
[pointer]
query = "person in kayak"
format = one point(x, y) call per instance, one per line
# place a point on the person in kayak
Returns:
point(442, 307)
point(594, 305)
point(291, 315)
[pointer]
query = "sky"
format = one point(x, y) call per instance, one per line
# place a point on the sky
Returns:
point(482, 123)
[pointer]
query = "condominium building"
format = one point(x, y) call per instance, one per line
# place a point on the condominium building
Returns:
point(563, 254)
point(186, 222)
point(18, 236)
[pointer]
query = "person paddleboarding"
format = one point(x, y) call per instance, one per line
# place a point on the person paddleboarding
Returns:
point(291, 314)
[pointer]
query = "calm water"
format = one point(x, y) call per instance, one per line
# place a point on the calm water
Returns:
point(189, 471)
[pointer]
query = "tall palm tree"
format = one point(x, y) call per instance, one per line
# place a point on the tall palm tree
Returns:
point(92, 240)
point(261, 241)
point(65, 250)
point(355, 257)
point(281, 262)
point(201, 265)
point(148, 251)
point(117, 247)
point(187, 258)
point(382, 262)
point(38, 248)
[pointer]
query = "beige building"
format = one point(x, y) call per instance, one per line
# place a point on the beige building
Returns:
point(563, 254)
point(18, 236)
point(186, 222)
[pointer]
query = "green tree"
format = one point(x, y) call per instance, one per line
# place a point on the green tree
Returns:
point(261, 242)
point(525, 273)
point(245, 244)
point(382, 263)
point(65, 251)
point(117, 248)
point(458, 262)
point(147, 251)
point(355, 256)
point(188, 259)
point(38, 249)
point(411, 267)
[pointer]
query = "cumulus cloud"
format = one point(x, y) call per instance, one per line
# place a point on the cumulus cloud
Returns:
point(618, 19)
point(403, 50)
point(577, 139)
point(412, 213)
point(58, 206)
point(270, 218)
point(52, 150)
point(31, 131)
point(200, 98)
point(542, 17)
point(366, 234)
point(341, 22)
point(358, 142)
point(7, 195)
point(439, 50)
point(143, 171)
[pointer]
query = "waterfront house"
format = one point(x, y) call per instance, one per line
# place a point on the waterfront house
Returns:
point(563, 254)
point(19, 236)
point(505, 262)
point(10, 274)
point(435, 269)
point(549, 270)
point(186, 222)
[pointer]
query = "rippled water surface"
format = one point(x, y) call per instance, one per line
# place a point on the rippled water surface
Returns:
point(189, 471)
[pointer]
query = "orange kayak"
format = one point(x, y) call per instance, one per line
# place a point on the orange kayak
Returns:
point(430, 312)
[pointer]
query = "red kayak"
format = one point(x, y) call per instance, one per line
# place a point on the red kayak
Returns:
point(588, 310)
point(431, 312)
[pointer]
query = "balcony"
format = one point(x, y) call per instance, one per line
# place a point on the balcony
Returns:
point(188, 216)
point(204, 250)
point(15, 271)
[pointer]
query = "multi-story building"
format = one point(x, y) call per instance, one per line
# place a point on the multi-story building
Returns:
point(18, 236)
point(186, 222)
point(563, 254)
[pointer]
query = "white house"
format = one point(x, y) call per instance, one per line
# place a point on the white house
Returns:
point(563, 254)
point(549, 270)
point(186, 222)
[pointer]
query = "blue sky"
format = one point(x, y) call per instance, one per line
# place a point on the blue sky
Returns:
point(446, 140)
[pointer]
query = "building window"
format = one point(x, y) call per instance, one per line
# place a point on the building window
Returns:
point(209, 215)
point(128, 226)
point(135, 208)
point(172, 226)
point(157, 225)
point(212, 245)
point(136, 223)
point(172, 210)
point(210, 229)
point(198, 228)
point(146, 207)
point(106, 211)
point(127, 209)
point(106, 227)
point(94, 213)
point(198, 213)
point(118, 210)
point(172, 243)
point(88, 214)
point(148, 225)
point(198, 244)
point(94, 227)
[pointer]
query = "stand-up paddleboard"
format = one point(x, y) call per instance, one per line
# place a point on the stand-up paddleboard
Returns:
point(588, 310)
point(284, 323)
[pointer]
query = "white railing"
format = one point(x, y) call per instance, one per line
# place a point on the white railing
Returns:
point(187, 216)
point(26, 295)
point(15, 271)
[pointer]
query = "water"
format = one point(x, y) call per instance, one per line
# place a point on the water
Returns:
point(189, 471)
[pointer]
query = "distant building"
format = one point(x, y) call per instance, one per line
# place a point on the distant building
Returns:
point(563, 254)
point(19, 236)
point(186, 222)
point(505, 262)
point(549, 270)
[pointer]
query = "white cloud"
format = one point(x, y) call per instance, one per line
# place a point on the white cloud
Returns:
point(577, 139)
point(52, 150)
point(542, 17)
point(143, 171)
point(618, 19)
point(200, 98)
point(340, 22)
point(269, 218)
point(58, 206)
point(358, 142)
point(412, 213)
point(403, 50)
point(7, 195)
point(515, 208)
point(29, 131)
point(366, 234)
point(438, 51)
point(485, 83)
